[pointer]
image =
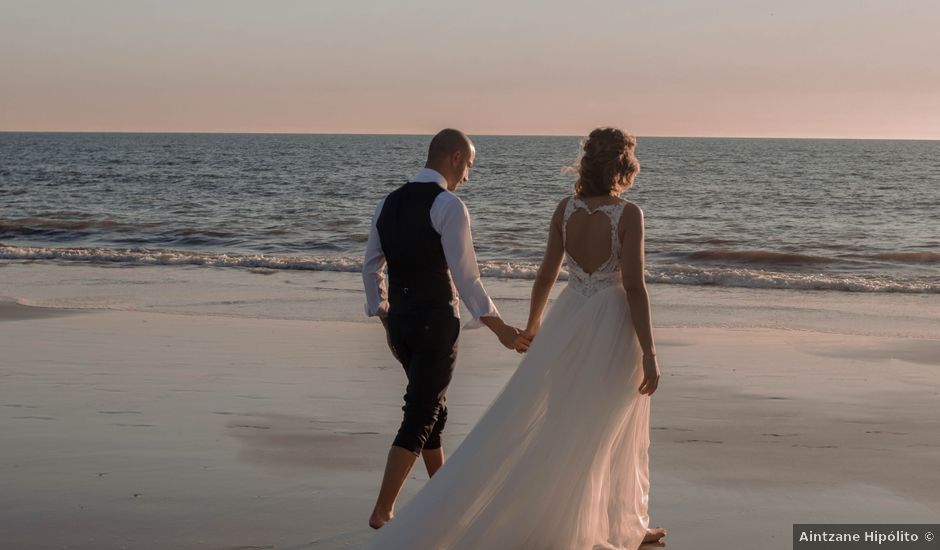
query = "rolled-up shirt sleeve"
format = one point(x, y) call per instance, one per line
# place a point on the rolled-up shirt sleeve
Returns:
point(373, 271)
point(453, 223)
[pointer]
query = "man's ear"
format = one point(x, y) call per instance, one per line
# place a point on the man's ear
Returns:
point(456, 157)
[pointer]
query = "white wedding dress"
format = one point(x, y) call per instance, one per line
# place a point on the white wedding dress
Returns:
point(560, 459)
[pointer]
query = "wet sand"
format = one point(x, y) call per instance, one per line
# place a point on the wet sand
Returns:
point(160, 429)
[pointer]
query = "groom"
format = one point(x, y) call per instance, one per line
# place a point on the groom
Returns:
point(421, 231)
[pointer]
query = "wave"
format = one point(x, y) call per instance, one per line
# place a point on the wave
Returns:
point(65, 214)
point(143, 233)
point(31, 226)
point(192, 231)
point(145, 256)
point(767, 257)
point(757, 257)
point(684, 274)
point(909, 257)
point(691, 240)
point(665, 273)
point(763, 279)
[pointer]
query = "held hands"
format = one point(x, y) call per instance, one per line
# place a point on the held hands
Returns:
point(520, 339)
point(523, 341)
point(650, 375)
point(507, 335)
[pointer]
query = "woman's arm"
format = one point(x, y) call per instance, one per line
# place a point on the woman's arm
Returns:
point(634, 283)
point(546, 277)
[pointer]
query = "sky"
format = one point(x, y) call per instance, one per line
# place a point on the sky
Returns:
point(822, 68)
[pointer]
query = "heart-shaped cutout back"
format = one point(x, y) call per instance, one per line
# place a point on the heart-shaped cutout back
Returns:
point(590, 235)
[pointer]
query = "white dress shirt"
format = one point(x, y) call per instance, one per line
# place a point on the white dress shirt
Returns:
point(451, 220)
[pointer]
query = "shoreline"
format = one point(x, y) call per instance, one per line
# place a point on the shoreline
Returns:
point(748, 269)
point(337, 296)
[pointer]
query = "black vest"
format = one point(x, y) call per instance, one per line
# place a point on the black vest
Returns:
point(417, 268)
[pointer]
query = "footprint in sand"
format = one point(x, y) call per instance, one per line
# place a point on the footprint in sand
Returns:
point(699, 441)
point(815, 446)
point(884, 432)
point(120, 412)
point(18, 406)
point(779, 435)
point(36, 417)
point(250, 426)
point(132, 425)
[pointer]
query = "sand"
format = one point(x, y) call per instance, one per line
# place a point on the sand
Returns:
point(205, 408)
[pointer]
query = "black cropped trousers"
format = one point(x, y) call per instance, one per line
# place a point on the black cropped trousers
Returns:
point(426, 343)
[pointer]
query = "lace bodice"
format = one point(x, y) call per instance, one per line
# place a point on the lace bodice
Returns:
point(608, 274)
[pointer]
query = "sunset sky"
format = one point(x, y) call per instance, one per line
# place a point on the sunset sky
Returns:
point(824, 68)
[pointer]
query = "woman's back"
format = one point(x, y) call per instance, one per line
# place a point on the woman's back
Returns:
point(592, 234)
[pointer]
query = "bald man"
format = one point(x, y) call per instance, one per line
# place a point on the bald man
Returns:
point(421, 232)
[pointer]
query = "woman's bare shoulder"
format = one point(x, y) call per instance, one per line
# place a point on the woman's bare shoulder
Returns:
point(632, 219)
point(631, 209)
point(560, 209)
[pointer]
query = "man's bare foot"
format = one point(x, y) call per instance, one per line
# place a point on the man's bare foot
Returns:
point(654, 534)
point(379, 519)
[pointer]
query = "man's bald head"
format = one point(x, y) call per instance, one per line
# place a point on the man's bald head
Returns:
point(446, 143)
point(451, 153)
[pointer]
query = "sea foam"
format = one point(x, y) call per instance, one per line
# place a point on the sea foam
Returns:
point(664, 273)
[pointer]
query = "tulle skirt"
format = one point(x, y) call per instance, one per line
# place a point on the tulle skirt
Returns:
point(560, 459)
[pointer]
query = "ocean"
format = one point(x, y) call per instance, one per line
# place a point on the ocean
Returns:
point(805, 214)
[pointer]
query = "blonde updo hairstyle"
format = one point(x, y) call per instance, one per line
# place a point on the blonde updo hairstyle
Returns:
point(607, 163)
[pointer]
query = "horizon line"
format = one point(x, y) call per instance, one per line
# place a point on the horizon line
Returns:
point(412, 134)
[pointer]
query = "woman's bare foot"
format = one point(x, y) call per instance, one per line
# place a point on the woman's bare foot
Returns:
point(654, 534)
point(379, 519)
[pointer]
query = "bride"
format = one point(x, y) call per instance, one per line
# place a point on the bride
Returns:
point(560, 459)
